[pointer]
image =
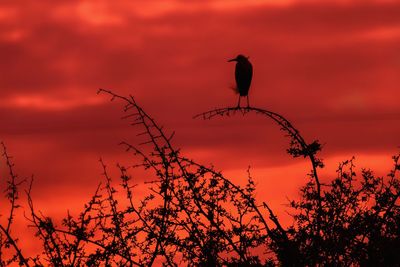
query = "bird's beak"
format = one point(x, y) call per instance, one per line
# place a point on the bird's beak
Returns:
point(233, 59)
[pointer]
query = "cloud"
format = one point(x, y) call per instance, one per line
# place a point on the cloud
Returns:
point(48, 103)
point(330, 67)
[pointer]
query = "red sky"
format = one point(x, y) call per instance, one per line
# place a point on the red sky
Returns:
point(331, 67)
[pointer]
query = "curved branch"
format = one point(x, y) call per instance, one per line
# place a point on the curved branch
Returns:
point(21, 257)
point(156, 133)
point(12, 195)
point(298, 145)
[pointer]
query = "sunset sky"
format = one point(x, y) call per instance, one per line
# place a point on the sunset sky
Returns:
point(331, 67)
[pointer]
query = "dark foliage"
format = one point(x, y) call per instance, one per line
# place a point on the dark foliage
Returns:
point(193, 215)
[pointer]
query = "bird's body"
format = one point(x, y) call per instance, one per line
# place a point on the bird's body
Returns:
point(243, 76)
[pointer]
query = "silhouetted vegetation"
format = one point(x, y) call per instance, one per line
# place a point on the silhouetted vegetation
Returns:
point(193, 215)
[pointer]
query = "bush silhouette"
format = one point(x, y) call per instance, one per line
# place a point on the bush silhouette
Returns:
point(195, 216)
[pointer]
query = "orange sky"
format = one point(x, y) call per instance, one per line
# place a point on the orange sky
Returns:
point(330, 67)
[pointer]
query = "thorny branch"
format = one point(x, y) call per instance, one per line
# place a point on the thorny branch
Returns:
point(183, 165)
point(298, 145)
point(12, 196)
point(193, 215)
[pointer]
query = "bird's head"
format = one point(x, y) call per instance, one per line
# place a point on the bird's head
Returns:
point(239, 58)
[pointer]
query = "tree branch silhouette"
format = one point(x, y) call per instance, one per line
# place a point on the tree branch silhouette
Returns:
point(184, 165)
point(193, 215)
point(298, 146)
point(12, 195)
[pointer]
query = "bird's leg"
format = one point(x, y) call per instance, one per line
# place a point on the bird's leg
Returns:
point(248, 105)
point(238, 105)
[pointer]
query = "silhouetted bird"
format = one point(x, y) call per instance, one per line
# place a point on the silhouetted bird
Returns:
point(243, 75)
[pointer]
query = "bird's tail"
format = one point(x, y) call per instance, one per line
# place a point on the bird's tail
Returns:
point(235, 89)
